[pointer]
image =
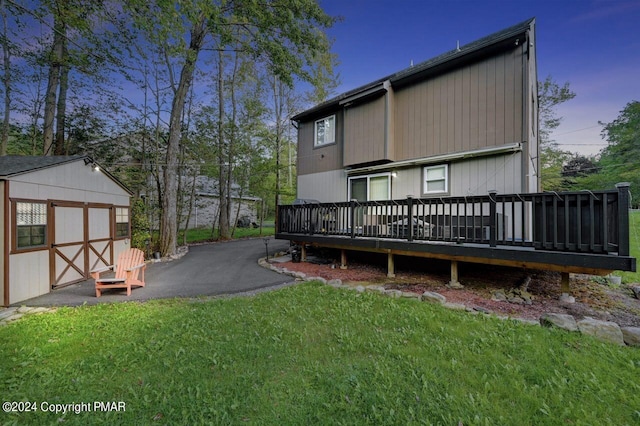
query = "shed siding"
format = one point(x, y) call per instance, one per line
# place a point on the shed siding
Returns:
point(71, 182)
point(364, 132)
point(3, 217)
point(319, 159)
point(28, 275)
point(477, 106)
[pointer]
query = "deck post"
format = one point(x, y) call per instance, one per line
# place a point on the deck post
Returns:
point(492, 218)
point(410, 217)
point(343, 259)
point(623, 218)
point(454, 283)
point(391, 266)
point(303, 253)
point(564, 283)
point(352, 216)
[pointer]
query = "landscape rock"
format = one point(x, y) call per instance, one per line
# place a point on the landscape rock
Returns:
point(455, 306)
point(410, 295)
point(499, 296)
point(360, 289)
point(375, 289)
point(5, 313)
point(567, 298)
point(430, 296)
point(631, 335)
point(335, 282)
point(636, 291)
point(605, 331)
point(393, 293)
point(564, 321)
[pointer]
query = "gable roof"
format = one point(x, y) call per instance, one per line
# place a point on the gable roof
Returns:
point(436, 65)
point(12, 165)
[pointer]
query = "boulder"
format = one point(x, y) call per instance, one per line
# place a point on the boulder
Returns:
point(636, 291)
point(430, 296)
point(606, 331)
point(631, 335)
point(564, 321)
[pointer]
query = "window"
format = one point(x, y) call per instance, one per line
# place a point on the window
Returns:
point(325, 131)
point(122, 221)
point(436, 179)
point(31, 225)
point(370, 188)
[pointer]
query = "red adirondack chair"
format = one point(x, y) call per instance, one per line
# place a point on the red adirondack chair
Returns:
point(129, 272)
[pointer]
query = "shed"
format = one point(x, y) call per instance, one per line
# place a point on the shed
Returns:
point(62, 216)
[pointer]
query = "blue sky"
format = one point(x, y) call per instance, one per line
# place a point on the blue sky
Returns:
point(594, 45)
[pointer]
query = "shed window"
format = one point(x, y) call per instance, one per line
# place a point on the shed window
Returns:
point(325, 131)
point(31, 223)
point(122, 222)
point(436, 179)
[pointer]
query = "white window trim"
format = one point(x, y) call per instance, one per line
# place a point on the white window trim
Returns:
point(315, 131)
point(368, 177)
point(425, 182)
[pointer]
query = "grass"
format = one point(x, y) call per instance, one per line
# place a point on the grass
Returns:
point(634, 247)
point(312, 354)
point(198, 235)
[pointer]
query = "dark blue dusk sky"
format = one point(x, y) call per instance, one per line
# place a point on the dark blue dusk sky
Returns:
point(594, 45)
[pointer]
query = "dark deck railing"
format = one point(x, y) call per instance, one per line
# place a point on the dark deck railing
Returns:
point(585, 221)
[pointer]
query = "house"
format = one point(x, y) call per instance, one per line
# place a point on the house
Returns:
point(441, 160)
point(206, 206)
point(62, 216)
point(460, 124)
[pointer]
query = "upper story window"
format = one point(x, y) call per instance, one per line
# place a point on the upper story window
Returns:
point(325, 131)
point(436, 179)
point(31, 225)
point(122, 222)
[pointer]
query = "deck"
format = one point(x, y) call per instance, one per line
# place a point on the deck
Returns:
point(581, 232)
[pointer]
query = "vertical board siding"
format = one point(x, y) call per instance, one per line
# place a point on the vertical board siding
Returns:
point(321, 159)
point(473, 107)
point(364, 132)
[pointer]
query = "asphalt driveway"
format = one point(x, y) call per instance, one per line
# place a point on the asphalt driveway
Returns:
point(207, 270)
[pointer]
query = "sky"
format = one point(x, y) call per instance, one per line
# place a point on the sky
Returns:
point(592, 44)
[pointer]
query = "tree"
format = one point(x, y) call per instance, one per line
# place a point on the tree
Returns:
point(286, 36)
point(619, 160)
point(552, 159)
point(577, 167)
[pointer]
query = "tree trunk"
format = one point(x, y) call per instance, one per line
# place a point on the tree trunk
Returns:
point(168, 223)
point(61, 115)
point(6, 81)
point(223, 220)
point(55, 63)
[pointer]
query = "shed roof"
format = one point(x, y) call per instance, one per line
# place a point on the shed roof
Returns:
point(12, 165)
point(470, 51)
point(17, 164)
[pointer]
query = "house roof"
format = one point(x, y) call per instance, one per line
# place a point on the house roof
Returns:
point(12, 165)
point(436, 65)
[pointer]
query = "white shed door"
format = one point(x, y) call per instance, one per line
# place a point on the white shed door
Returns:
point(68, 247)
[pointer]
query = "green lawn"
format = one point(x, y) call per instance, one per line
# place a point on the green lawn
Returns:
point(634, 246)
point(312, 354)
point(198, 235)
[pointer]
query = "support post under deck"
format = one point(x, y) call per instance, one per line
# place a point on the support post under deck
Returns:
point(391, 266)
point(454, 283)
point(343, 259)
